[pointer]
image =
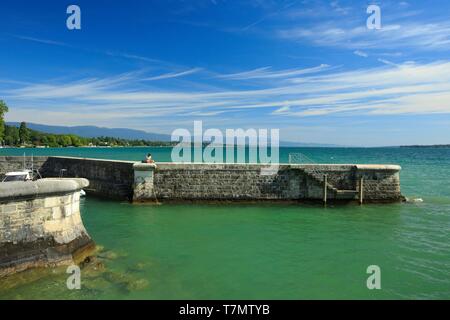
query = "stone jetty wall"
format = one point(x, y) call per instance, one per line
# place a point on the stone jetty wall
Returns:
point(107, 178)
point(40, 224)
point(291, 182)
point(8, 164)
point(205, 181)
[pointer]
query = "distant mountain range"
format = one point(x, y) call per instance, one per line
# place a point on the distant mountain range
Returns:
point(93, 132)
point(129, 134)
point(427, 146)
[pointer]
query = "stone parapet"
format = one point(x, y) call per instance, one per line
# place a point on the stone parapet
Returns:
point(40, 224)
point(219, 181)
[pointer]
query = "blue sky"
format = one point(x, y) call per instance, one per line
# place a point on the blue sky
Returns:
point(310, 68)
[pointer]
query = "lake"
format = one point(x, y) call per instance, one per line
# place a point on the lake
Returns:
point(252, 251)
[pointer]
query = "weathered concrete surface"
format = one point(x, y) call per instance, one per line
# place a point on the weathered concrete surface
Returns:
point(40, 224)
point(16, 190)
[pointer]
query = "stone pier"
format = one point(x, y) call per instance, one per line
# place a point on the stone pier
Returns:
point(134, 181)
point(40, 224)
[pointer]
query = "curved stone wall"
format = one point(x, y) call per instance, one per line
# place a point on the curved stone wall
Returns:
point(40, 224)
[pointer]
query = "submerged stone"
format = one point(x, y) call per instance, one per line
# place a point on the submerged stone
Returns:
point(139, 284)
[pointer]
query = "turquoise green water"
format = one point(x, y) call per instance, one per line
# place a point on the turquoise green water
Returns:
point(266, 251)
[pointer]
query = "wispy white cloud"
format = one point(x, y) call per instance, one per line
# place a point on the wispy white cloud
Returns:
point(265, 73)
point(42, 41)
point(271, 14)
point(401, 89)
point(130, 56)
point(387, 62)
point(423, 36)
point(171, 75)
point(123, 55)
point(338, 8)
point(391, 54)
point(361, 53)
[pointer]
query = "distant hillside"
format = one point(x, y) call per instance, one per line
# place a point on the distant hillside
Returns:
point(93, 132)
point(130, 134)
point(307, 145)
point(428, 146)
point(26, 137)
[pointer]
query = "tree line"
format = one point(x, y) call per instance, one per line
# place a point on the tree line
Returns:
point(22, 136)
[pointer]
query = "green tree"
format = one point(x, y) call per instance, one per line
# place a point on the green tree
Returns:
point(75, 140)
point(3, 110)
point(52, 141)
point(23, 133)
point(11, 135)
point(65, 141)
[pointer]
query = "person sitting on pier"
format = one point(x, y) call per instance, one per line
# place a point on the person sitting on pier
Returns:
point(148, 159)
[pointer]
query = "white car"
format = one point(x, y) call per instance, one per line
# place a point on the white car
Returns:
point(25, 175)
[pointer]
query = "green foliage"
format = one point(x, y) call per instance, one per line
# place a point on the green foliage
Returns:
point(15, 137)
point(23, 133)
point(23, 136)
point(12, 136)
point(3, 110)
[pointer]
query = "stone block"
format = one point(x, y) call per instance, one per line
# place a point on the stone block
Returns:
point(9, 208)
point(51, 202)
point(56, 213)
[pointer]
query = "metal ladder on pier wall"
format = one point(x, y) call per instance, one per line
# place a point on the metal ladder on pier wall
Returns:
point(322, 179)
point(29, 166)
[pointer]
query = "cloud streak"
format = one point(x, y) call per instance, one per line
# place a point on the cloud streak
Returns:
point(361, 53)
point(42, 41)
point(421, 36)
point(401, 89)
point(265, 73)
point(124, 55)
point(172, 75)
